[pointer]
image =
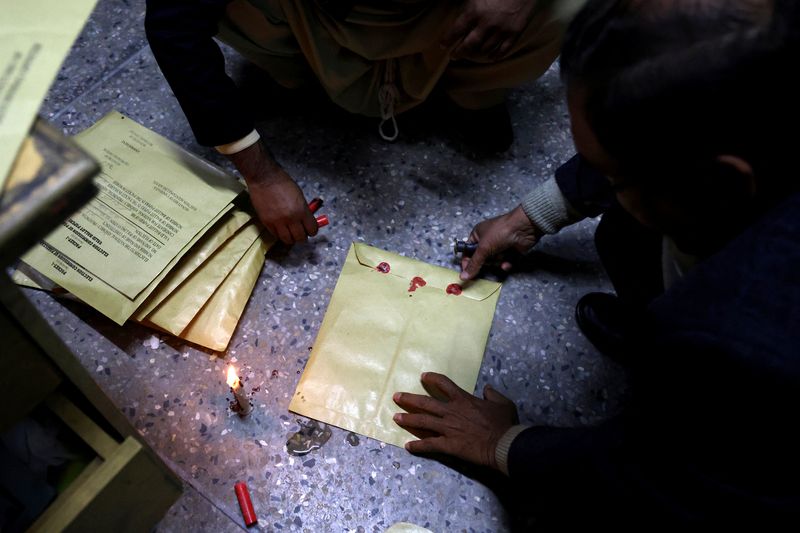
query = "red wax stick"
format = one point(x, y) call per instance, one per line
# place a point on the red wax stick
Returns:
point(322, 220)
point(315, 204)
point(246, 505)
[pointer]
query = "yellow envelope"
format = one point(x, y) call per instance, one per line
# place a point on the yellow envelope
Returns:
point(381, 331)
point(94, 291)
point(216, 322)
point(214, 325)
point(181, 306)
point(195, 260)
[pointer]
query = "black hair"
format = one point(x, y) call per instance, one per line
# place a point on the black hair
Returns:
point(674, 81)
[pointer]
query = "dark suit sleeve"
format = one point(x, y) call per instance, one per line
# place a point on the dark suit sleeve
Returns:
point(181, 35)
point(548, 452)
point(587, 190)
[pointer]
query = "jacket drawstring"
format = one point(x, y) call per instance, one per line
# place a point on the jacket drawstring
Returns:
point(387, 97)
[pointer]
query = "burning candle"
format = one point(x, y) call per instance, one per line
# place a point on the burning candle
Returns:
point(238, 392)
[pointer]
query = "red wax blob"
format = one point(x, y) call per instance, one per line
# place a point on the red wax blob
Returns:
point(245, 504)
point(416, 282)
point(454, 288)
point(383, 268)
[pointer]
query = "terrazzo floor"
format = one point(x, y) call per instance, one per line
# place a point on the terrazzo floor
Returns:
point(412, 196)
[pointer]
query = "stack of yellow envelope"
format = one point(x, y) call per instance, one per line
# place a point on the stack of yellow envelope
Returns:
point(163, 242)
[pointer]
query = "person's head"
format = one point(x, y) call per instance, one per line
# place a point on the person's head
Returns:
point(685, 105)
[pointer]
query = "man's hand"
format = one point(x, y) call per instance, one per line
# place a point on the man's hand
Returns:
point(458, 423)
point(488, 27)
point(278, 201)
point(514, 230)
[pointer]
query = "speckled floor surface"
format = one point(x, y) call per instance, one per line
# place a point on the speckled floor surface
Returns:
point(412, 197)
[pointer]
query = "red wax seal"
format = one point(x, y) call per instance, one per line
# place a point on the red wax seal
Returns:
point(416, 282)
point(245, 504)
point(454, 288)
point(383, 268)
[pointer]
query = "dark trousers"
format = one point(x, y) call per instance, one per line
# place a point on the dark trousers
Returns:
point(631, 256)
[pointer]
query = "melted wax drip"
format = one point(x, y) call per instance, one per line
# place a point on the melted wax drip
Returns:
point(416, 282)
point(310, 437)
point(454, 288)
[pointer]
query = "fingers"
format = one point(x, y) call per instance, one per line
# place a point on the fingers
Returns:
point(442, 383)
point(310, 223)
point(421, 433)
point(491, 42)
point(489, 393)
point(418, 403)
point(294, 228)
point(473, 237)
point(429, 445)
point(298, 232)
point(283, 233)
point(503, 49)
point(471, 44)
point(416, 421)
point(458, 31)
point(475, 263)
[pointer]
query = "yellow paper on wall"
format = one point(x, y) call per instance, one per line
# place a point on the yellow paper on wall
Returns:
point(382, 330)
point(35, 36)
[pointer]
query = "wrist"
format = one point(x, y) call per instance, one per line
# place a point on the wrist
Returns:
point(503, 447)
point(547, 208)
point(237, 146)
point(256, 164)
point(523, 223)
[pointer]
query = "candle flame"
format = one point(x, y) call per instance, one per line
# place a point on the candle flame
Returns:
point(233, 378)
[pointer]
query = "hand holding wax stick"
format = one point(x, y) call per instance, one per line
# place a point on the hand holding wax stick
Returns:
point(242, 401)
point(504, 239)
point(314, 205)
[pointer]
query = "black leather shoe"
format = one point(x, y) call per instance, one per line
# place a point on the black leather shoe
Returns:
point(609, 325)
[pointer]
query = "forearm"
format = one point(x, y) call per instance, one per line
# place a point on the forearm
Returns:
point(181, 36)
point(577, 191)
point(255, 163)
point(586, 190)
point(539, 451)
point(548, 209)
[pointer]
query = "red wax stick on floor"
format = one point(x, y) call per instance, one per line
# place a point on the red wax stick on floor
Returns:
point(322, 220)
point(243, 495)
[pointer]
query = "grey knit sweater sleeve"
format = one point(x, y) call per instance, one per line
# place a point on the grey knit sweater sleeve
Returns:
point(549, 209)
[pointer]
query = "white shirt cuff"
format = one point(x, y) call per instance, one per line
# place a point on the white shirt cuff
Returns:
point(237, 146)
point(504, 445)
